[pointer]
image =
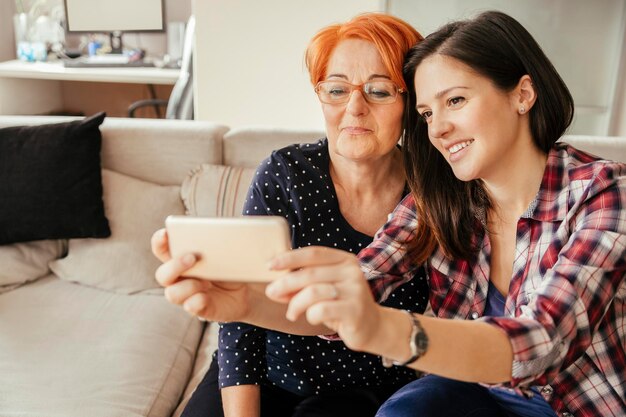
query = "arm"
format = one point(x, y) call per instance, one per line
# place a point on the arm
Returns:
point(221, 301)
point(241, 357)
point(242, 400)
point(384, 261)
point(241, 347)
point(464, 350)
point(551, 332)
point(578, 292)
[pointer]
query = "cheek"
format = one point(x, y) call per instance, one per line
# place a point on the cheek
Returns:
point(332, 116)
point(390, 119)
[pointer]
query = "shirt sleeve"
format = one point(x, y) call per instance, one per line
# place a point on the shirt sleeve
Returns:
point(384, 261)
point(555, 328)
point(241, 347)
point(240, 354)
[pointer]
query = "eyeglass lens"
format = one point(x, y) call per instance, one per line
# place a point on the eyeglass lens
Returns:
point(379, 92)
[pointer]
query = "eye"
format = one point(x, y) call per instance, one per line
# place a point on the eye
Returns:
point(336, 90)
point(426, 115)
point(379, 90)
point(333, 90)
point(455, 101)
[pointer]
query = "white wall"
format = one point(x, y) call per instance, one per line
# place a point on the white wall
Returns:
point(7, 38)
point(249, 67)
point(588, 59)
point(249, 57)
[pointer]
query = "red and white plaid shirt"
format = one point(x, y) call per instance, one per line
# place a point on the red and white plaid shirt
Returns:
point(565, 313)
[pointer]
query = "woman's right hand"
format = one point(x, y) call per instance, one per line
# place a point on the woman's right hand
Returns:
point(210, 300)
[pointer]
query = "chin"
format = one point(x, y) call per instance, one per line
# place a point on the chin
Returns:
point(463, 176)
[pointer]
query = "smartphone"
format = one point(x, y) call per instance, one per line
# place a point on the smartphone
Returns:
point(230, 248)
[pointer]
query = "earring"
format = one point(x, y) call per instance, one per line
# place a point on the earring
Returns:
point(522, 110)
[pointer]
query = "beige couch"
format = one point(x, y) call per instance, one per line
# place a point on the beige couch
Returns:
point(91, 334)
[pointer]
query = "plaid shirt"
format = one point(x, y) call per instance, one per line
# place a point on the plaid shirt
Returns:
point(565, 311)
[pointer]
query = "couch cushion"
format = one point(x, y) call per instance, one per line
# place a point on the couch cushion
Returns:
point(50, 181)
point(25, 262)
point(216, 190)
point(136, 209)
point(208, 345)
point(74, 351)
point(247, 147)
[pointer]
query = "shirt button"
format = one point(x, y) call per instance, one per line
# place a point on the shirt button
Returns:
point(547, 391)
point(567, 414)
point(474, 315)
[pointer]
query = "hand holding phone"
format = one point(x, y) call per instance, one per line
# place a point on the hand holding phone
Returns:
point(230, 248)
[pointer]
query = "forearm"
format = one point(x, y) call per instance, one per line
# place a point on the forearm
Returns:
point(242, 401)
point(272, 315)
point(460, 349)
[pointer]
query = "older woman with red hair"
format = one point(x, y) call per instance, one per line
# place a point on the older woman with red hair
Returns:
point(337, 192)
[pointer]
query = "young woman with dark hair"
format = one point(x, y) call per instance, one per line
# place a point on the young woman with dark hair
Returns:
point(523, 239)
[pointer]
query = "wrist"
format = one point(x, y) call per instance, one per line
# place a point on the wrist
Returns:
point(408, 347)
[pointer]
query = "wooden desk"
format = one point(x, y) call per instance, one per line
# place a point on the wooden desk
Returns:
point(35, 87)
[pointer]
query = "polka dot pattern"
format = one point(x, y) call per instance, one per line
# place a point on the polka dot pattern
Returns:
point(294, 182)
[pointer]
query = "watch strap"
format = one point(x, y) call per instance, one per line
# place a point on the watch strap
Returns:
point(418, 343)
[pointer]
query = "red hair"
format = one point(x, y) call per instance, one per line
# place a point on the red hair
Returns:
point(393, 38)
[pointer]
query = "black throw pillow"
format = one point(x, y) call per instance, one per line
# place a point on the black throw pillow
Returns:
point(50, 181)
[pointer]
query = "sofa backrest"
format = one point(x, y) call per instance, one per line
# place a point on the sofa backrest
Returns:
point(608, 147)
point(248, 146)
point(159, 151)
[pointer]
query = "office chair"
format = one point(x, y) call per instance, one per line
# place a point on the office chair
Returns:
point(180, 103)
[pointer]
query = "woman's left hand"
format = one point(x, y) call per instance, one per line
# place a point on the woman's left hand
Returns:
point(328, 286)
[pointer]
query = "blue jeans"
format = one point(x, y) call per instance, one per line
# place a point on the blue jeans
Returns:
point(433, 396)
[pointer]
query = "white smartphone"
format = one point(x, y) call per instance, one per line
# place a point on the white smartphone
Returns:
point(230, 248)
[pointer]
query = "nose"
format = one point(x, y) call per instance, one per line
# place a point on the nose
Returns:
point(357, 105)
point(439, 126)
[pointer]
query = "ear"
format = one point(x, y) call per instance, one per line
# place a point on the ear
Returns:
point(524, 95)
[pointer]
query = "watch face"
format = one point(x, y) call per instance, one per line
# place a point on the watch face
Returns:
point(421, 341)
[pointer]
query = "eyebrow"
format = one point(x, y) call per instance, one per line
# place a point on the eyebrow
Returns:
point(371, 77)
point(440, 94)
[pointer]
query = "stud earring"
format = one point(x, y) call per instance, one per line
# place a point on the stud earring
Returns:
point(522, 110)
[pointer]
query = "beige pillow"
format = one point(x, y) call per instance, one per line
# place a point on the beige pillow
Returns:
point(123, 262)
point(216, 190)
point(28, 261)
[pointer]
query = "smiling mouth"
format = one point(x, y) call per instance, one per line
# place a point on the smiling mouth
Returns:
point(462, 145)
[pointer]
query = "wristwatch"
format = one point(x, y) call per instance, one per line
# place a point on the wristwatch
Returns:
point(418, 343)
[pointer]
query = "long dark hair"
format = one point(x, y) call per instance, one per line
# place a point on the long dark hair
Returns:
point(499, 48)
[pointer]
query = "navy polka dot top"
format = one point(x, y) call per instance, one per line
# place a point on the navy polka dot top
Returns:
point(295, 182)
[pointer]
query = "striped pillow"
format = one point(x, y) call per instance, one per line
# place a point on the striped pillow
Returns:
point(216, 190)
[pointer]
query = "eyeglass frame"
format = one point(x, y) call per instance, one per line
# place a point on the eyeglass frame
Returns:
point(354, 87)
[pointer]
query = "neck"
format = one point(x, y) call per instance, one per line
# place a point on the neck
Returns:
point(516, 185)
point(368, 178)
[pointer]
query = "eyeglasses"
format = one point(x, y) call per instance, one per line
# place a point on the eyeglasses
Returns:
point(374, 92)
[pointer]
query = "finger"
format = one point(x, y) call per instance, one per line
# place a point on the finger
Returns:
point(182, 290)
point(197, 303)
point(310, 296)
point(284, 288)
point(160, 246)
point(170, 271)
point(309, 256)
point(328, 313)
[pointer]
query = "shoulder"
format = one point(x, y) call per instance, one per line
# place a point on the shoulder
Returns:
point(298, 152)
point(578, 165)
point(578, 182)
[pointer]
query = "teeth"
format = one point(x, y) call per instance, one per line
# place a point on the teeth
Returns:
point(459, 146)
